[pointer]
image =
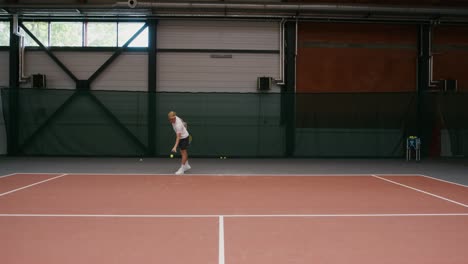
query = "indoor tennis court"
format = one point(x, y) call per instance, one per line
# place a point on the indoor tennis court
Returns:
point(228, 218)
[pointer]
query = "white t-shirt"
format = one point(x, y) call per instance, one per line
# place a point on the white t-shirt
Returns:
point(179, 127)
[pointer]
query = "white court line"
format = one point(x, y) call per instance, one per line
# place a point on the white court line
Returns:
point(30, 173)
point(228, 174)
point(459, 184)
point(242, 175)
point(221, 241)
point(8, 175)
point(15, 190)
point(428, 193)
point(35, 173)
point(228, 216)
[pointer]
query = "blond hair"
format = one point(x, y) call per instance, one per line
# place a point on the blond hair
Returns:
point(171, 114)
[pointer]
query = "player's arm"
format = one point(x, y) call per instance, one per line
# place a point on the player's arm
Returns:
point(174, 149)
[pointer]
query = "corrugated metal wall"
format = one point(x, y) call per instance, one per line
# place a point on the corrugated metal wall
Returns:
point(127, 72)
point(37, 62)
point(189, 34)
point(340, 57)
point(197, 72)
point(185, 62)
point(450, 54)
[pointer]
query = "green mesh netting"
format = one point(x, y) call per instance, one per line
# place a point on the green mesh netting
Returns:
point(118, 123)
point(354, 124)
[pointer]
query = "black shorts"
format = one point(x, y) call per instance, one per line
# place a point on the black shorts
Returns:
point(184, 143)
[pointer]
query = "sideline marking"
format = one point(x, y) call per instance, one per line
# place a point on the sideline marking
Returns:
point(225, 216)
point(415, 189)
point(15, 190)
point(221, 240)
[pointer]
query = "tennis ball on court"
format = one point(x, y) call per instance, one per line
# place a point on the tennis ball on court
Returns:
point(141, 159)
point(172, 156)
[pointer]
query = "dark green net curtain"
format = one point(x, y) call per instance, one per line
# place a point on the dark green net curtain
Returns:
point(117, 123)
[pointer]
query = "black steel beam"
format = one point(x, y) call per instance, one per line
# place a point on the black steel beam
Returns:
point(152, 33)
point(116, 54)
point(61, 109)
point(288, 90)
point(116, 121)
point(51, 55)
point(424, 126)
point(13, 97)
point(44, 125)
point(424, 55)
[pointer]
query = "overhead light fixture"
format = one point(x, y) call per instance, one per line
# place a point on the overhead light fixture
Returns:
point(132, 3)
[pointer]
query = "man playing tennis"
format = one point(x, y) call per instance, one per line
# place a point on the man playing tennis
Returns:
point(182, 140)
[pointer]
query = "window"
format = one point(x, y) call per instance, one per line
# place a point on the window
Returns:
point(40, 30)
point(66, 34)
point(71, 34)
point(126, 31)
point(4, 33)
point(99, 34)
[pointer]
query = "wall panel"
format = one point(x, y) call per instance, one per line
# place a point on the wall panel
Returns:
point(450, 54)
point(249, 35)
point(198, 72)
point(127, 72)
point(185, 61)
point(356, 58)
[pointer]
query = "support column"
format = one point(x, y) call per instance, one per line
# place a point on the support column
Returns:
point(424, 119)
point(288, 91)
point(13, 97)
point(152, 118)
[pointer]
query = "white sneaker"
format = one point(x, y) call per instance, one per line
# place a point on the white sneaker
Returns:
point(180, 171)
point(187, 166)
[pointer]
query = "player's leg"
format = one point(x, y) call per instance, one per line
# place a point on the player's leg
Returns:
point(185, 163)
point(183, 153)
point(184, 166)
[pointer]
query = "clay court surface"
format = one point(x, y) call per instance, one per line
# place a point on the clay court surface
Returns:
point(223, 219)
